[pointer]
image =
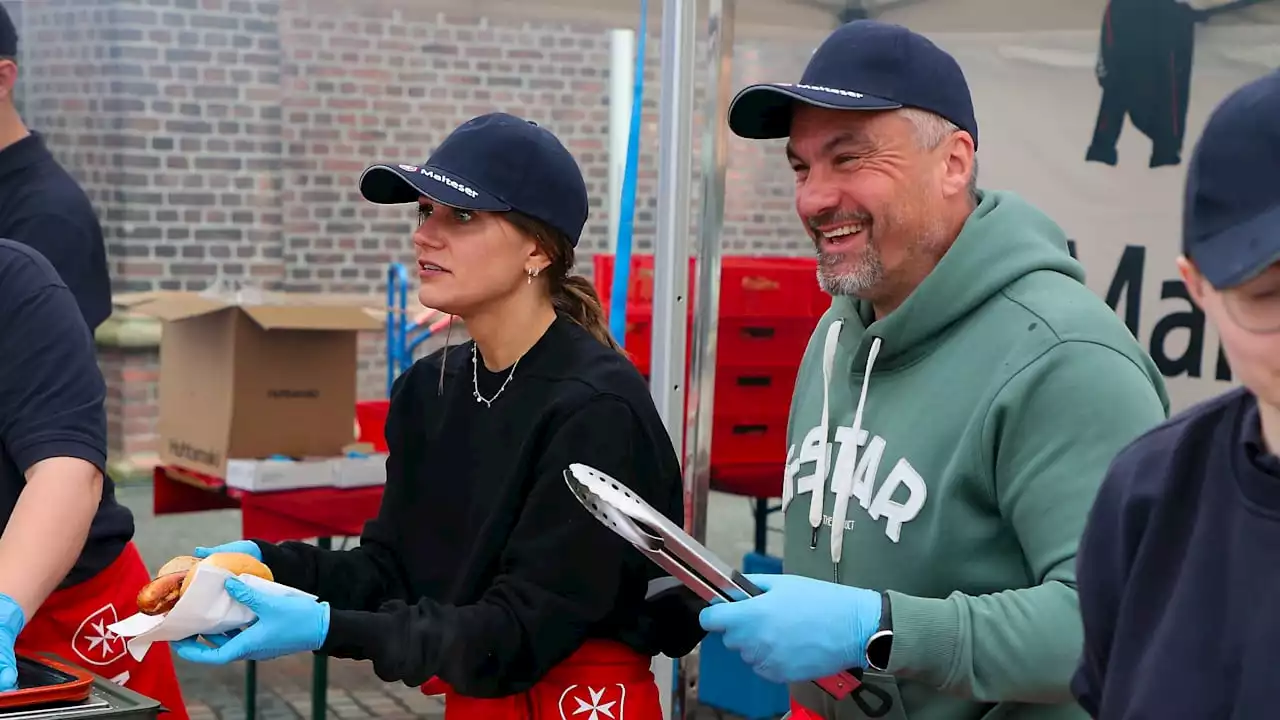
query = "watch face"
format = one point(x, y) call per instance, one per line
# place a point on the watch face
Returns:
point(878, 650)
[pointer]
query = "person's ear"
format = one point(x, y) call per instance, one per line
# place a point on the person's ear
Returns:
point(1193, 280)
point(958, 164)
point(8, 78)
point(538, 259)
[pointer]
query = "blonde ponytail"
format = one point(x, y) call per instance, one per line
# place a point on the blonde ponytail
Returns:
point(576, 297)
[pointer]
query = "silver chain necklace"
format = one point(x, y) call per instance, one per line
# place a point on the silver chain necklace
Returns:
point(475, 379)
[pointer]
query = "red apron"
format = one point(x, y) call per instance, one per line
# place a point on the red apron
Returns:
point(603, 679)
point(73, 622)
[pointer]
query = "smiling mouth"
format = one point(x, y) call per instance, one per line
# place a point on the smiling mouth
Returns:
point(430, 267)
point(842, 231)
point(833, 238)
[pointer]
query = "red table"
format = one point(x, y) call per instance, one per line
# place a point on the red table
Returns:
point(272, 516)
point(321, 513)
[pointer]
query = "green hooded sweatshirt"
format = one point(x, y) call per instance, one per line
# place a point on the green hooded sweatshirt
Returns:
point(958, 444)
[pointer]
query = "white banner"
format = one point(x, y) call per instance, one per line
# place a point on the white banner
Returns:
point(1037, 100)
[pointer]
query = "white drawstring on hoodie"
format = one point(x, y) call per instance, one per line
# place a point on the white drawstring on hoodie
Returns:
point(824, 454)
point(841, 486)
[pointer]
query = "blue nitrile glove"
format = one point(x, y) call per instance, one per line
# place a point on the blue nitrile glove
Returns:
point(248, 547)
point(800, 629)
point(285, 625)
point(12, 620)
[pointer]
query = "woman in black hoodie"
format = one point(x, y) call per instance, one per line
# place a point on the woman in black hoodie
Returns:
point(482, 578)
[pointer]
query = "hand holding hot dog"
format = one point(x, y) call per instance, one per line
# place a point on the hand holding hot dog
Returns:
point(285, 625)
point(174, 577)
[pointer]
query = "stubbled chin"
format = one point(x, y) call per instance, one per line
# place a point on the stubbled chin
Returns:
point(840, 262)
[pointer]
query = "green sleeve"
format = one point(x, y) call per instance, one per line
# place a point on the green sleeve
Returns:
point(1047, 441)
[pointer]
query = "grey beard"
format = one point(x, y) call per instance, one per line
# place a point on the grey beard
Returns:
point(857, 282)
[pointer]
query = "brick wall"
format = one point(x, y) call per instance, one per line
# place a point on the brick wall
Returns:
point(222, 139)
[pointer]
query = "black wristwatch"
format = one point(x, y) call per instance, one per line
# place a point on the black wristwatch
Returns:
point(880, 646)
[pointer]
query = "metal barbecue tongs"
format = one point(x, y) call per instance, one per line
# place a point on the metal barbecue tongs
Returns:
point(688, 561)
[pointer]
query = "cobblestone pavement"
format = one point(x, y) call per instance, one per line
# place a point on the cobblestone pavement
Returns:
point(354, 692)
point(284, 692)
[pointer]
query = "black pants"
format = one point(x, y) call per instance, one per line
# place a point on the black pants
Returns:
point(1147, 51)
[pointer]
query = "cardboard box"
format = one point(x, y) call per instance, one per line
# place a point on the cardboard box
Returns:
point(254, 375)
point(360, 471)
point(287, 474)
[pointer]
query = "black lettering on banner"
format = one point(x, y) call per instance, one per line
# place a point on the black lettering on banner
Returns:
point(1192, 320)
point(1126, 286)
point(1129, 277)
point(1223, 369)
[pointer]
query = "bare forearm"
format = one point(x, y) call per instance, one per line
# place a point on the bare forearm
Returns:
point(47, 530)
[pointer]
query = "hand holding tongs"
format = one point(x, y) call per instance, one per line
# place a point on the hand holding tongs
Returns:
point(690, 562)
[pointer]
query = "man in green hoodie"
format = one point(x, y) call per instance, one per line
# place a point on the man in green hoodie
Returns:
point(954, 413)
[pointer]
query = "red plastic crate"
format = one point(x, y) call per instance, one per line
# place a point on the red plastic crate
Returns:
point(771, 288)
point(748, 440)
point(768, 306)
point(756, 287)
point(778, 342)
point(768, 309)
point(639, 342)
point(757, 480)
point(639, 284)
point(775, 343)
point(753, 390)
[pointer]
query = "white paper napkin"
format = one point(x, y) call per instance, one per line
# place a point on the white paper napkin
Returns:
point(206, 608)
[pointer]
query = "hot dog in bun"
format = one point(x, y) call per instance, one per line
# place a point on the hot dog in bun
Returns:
point(174, 577)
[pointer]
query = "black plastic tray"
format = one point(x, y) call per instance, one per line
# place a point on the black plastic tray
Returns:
point(105, 700)
point(45, 681)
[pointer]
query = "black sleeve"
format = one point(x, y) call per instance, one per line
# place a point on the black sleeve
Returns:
point(52, 392)
point(74, 250)
point(53, 236)
point(366, 576)
point(560, 573)
point(1105, 556)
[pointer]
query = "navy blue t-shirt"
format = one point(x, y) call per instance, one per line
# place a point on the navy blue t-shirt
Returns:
point(1178, 573)
point(42, 206)
point(51, 396)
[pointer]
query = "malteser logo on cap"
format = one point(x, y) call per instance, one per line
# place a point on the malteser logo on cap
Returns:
point(450, 182)
point(441, 179)
point(819, 88)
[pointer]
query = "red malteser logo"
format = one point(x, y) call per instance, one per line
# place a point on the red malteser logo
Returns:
point(94, 643)
point(584, 702)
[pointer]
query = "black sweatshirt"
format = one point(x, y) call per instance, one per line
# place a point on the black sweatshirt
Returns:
point(1178, 582)
point(482, 568)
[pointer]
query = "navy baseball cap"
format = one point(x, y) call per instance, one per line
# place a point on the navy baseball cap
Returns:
point(863, 65)
point(492, 163)
point(1231, 212)
point(8, 35)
